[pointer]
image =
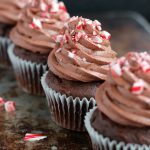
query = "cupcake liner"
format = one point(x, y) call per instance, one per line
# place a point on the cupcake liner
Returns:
point(4, 44)
point(99, 142)
point(67, 112)
point(28, 74)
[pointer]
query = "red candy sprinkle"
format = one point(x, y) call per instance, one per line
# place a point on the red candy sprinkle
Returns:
point(105, 35)
point(34, 137)
point(10, 106)
point(137, 87)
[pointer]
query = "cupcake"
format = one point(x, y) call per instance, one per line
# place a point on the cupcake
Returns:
point(122, 118)
point(77, 66)
point(9, 14)
point(31, 46)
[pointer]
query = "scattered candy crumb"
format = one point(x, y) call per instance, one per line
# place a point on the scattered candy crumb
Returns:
point(34, 137)
point(9, 106)
point(2, 101)
point(54, 148)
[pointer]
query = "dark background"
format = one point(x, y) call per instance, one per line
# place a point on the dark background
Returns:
point(81, 7)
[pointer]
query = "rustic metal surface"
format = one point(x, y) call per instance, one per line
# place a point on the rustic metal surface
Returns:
point(129, 32)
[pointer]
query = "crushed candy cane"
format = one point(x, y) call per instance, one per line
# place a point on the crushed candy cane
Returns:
point(43, 6)
point(145, 66)
point(34, 137)
point(62, 6)
point(10, 106)
point(64, 16)
point(78, 36)
point(115, 69)
point(36, 23)
point(71, 55)
point(97, 39)
point(2, 102)
point(60, 39)
point(137, 87)
point(105, 35)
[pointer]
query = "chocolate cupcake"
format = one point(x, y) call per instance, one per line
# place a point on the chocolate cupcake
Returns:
point(122, 119)
point(77, 65)
point(31, 46)
point(9, 14)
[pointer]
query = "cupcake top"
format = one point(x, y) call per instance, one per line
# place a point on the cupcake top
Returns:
point(125, 97)
point(40, 17)
point(10, 10)
point(83, 52)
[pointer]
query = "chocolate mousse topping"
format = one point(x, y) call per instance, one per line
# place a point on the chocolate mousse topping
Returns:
point(83, 52)
point(125, 96)
point(41, 16)
point(10, 10)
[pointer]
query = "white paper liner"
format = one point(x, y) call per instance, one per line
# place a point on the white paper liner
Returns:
point(28, 74)
point(4, 44)
point(67, 112)
point(99, 142)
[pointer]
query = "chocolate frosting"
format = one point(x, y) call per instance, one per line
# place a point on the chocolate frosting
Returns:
point(10, 10)
point(37, 19)
point(83, 52)
point(125, 97)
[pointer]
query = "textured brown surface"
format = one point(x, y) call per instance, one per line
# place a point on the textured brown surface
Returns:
point(72, 88)
point(30, 56)
point(119, 132)
point(32, 112)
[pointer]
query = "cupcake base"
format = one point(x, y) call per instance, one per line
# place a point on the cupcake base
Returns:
point(4, 59)
point(67, 111)
point(28, 73)
point(99, 142)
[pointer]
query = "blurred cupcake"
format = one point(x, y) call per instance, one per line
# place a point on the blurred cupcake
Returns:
point(9, 14)
point(77, 65)
point(122, 119)
point(31, 46)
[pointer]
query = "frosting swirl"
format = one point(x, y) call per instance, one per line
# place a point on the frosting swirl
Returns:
point(10, 10)
point(83, 52)
point(37, 19)
point(125, 96)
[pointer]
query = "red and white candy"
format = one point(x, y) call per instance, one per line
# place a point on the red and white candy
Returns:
point(115, 69)
point(60, 39)
point(137, 87)
point(145, 66)
point(10, 106)
point(43, 6)
point(97, 39)
point(34, 137)
point(2, 101)
point(54, 7)
point(62, 6)
point(64, 16)
point(78, 36)
point(36, 23)
point(105, 35)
